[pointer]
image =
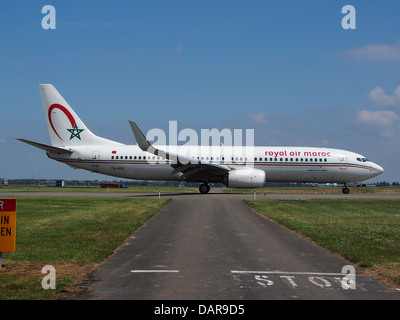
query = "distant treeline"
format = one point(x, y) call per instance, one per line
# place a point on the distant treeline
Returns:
point(85, 183)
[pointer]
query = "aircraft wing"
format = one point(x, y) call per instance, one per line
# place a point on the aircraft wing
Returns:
point(189, 167)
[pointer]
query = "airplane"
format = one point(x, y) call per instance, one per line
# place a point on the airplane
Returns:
point(74, 144)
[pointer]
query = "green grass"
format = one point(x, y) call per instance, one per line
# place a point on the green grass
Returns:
point(130, 189)
point(316, 190)
point(366, 232)
point(72, 234)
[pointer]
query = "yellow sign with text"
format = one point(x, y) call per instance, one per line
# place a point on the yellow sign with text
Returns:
point(8, 222)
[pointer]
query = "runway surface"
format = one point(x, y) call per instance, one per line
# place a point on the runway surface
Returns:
point(214, 193)
point(215, 247)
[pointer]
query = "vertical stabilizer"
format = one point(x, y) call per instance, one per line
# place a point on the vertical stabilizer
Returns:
point(65, 127)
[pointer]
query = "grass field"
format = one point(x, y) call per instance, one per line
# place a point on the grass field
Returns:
point(72, 234)
point(365, 232)
point(130, 189)
point(317, 190)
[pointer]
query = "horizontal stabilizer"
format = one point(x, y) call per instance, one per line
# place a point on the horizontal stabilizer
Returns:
point(46, 147)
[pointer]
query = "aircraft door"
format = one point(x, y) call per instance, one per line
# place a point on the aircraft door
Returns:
point(343, 162)
point(95, 158)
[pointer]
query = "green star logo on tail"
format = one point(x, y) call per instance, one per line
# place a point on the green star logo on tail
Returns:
point(75, 132)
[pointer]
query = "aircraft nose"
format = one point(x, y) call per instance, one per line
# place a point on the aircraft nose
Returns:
point(377, 168)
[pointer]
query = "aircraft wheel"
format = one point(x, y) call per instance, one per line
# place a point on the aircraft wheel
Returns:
point(204, 188)
point(345, 190)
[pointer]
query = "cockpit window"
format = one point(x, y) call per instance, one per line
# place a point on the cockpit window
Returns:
point(362, 159)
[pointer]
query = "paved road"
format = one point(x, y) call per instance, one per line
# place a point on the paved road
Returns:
point(215, 247)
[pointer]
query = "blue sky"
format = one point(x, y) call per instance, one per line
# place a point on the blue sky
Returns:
point(286, 69)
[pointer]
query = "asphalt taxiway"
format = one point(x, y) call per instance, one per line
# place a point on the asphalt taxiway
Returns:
point(214, 193)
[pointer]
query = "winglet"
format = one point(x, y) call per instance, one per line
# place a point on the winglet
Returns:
point(143, 143)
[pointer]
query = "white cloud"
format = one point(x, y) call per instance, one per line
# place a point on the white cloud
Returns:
point(179, 49)
point(381, 99)
point(380, 122)
point(257, 117)
point(375, 52)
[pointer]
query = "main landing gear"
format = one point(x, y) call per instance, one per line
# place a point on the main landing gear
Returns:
point(204, 188)
point(345, 190)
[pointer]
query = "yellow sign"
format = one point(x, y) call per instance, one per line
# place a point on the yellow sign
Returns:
point(8, 219)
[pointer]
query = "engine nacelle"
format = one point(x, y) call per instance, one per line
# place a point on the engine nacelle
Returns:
point(246, 178)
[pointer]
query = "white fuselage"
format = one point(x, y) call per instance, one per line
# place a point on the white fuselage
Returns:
point(281, 164)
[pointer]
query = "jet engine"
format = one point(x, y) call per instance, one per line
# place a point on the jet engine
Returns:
point(246, 178)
